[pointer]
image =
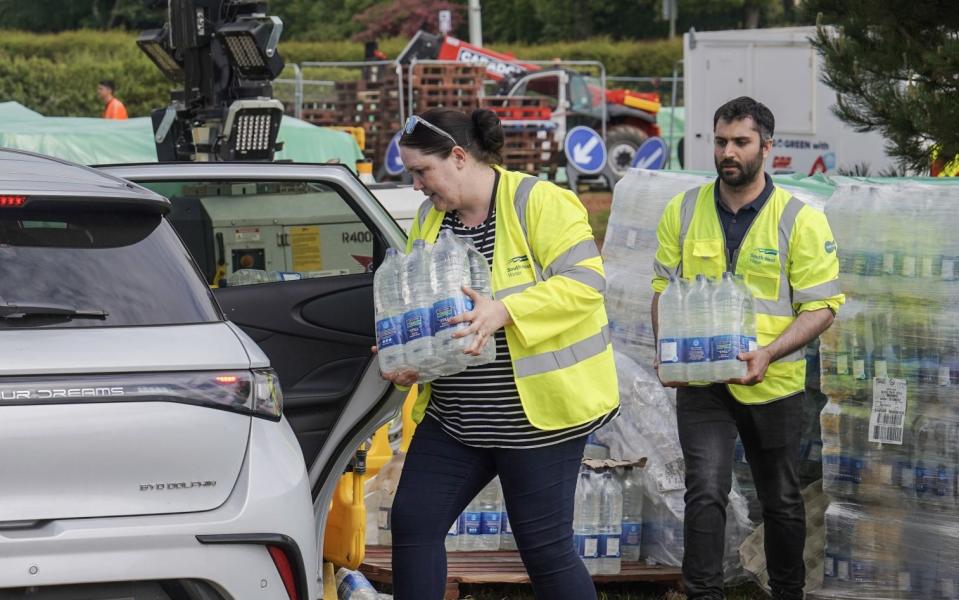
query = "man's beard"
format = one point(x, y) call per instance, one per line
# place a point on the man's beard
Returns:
point(745, 174)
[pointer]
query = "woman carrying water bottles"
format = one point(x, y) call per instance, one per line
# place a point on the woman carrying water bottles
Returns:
point(526, 415)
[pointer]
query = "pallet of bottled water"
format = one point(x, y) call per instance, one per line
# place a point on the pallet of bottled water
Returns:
point(653, 506)
point(483, 525)
point(890, 368)
point(415, 296)
point(704, 326)
point(608, 514)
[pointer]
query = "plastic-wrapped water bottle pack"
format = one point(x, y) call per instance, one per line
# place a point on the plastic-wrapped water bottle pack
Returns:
point(416, 296)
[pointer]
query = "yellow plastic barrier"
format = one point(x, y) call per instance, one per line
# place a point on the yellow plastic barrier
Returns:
point(358, 133)
point(380, 451)
point(408, 425)
point(344, 542)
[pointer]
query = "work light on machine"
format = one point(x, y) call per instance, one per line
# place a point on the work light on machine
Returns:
point(251, 128)
point(251, 45)
point(155, 44)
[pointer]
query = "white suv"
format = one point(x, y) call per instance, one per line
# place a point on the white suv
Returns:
point(148, 451)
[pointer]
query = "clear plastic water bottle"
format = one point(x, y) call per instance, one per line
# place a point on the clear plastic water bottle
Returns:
point(749, 341)
point(595, 448)
point(632, 527)
point(729, 323)
point(490, 507)
point(418, 292)
point(454, 536)
point(389, 306)
point(451, 271)
point(472, 526)
point(611, 523)
point(507, 541)
point(353, 585)
point(481, 281)
point(699, 325)
point(671, 333)
point(586, 520)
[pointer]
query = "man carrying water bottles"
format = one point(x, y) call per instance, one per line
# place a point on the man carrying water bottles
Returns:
point(786, 254)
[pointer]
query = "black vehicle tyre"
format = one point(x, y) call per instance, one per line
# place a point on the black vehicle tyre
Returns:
point(622, 141)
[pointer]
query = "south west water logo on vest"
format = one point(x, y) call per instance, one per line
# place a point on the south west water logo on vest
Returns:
point(517, 265)
point(764, 256)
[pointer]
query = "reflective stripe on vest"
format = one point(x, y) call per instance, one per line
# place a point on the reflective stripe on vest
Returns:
point(563, 358)
point(782, 306)
point(520, 200)
point(423, 211)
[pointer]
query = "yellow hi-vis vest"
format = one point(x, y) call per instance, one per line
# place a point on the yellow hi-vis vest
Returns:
point(547, 271)
point(787, 258)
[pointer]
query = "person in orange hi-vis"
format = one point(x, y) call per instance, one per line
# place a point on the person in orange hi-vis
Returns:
point(113, 109)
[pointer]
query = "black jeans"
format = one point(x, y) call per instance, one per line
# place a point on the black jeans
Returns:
point(709, 419)
point(441, 476)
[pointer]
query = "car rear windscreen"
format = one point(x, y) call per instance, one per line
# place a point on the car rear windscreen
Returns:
point(64, 267)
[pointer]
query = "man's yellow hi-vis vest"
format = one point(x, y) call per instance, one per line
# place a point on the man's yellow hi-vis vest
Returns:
point(547, 271)
point(787, 258)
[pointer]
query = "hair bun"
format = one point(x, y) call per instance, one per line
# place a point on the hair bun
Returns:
point(489, 130)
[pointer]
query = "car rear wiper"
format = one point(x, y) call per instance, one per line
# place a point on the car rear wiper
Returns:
point(63, 311)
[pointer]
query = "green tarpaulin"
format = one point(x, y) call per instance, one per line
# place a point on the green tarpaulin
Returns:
point(99, 141)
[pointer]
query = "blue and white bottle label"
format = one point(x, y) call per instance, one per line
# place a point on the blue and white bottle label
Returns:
point(417, 324)
point(490, 523)
point(389, 332)
point(724, 347)
point(587, 546)
point(632, 534)
point(669, 350)
point(473, 523)
point(446, 309)
point(695, 350)
point(609, 545)
point(504, 523)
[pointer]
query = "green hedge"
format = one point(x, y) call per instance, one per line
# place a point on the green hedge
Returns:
point(56, 74)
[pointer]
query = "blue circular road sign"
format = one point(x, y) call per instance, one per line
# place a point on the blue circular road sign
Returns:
point(585, 150)
point(652, 154)
point(394, 164)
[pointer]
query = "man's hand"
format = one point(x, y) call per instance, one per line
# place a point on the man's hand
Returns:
point(486, 318)
point(757, 362)
point(403, 377)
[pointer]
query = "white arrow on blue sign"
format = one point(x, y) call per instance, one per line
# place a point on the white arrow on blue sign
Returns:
point(652, 154)
point(585, 150)
point(394, 164)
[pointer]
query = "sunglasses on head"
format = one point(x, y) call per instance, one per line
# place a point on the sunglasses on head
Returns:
point(414, 120)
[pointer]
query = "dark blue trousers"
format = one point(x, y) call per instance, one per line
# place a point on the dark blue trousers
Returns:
point(442, 475)
point(709, 419)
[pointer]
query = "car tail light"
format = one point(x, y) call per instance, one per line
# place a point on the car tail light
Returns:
point(285, 569)
point(12, 201)
point(256, 392)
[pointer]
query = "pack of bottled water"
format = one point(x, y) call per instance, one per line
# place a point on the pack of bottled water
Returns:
point(416, 295)
point(703, 328)
point(652, 505)
point(480, 525)
point(890, 368)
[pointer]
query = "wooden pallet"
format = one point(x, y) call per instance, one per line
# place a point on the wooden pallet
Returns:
point(502, 567)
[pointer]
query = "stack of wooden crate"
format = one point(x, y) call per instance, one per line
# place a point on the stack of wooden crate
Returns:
point(530, 144)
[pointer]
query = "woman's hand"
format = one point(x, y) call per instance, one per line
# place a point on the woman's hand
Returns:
point(487, 317)
point(403, 377)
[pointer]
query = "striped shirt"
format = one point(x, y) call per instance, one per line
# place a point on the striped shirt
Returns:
point(481, 406)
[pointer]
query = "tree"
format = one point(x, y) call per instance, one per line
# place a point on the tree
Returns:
point(56, 15)
point(894, 67)
point(404, 18)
